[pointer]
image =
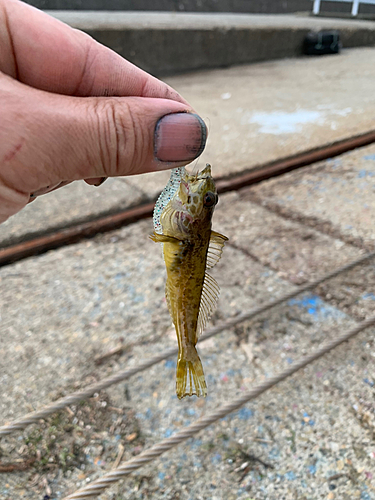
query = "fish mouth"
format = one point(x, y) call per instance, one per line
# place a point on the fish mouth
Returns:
point(206, 172)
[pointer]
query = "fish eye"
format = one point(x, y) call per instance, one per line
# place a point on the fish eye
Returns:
point(209, 199)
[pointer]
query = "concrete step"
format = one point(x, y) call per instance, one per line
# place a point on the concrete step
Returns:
point(170, 43)
point(243, 6)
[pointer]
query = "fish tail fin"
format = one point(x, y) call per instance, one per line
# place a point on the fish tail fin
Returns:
point(189, 376)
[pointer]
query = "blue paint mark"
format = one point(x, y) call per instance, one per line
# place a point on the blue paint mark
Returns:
point(216, 459)
point(315, 306)
point(369, 157)
point(290, 475)
point(118, 276)
point(311, 301)
point(196, 443)
point(274, 453)
point(289, 361)
point(310, 421)
point(311, 469)
point(245, 414)
point(368, 382)
point(170, 364)
point(365, 173)
point(366, 496)
point(190, 411)
point(161, 476)
point(168, 433)
point(368, 296)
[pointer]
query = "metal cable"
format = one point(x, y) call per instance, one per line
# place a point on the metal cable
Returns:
point(78, 396)
point(158, 449)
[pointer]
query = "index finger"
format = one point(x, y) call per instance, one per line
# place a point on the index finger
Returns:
point(45, 53)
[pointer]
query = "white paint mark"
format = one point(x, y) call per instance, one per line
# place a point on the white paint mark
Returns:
point(226, 96)
point(278, 122)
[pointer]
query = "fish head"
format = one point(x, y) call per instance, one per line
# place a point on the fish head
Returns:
point(191, 207)
point(197, 195)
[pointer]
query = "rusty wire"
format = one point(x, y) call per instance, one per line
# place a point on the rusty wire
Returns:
point(75, 397)
point(158, 449)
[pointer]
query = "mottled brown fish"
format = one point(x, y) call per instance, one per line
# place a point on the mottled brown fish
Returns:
point(182, 221)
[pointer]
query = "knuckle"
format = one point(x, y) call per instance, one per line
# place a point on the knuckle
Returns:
point(120, 136)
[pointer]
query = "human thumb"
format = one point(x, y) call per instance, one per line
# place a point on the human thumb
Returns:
point(47, 139)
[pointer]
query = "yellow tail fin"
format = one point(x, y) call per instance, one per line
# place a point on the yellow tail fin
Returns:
point(189, 376)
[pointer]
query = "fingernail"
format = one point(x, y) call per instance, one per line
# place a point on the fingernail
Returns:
point(100, 182)
point(179, 137)
point(95, 181)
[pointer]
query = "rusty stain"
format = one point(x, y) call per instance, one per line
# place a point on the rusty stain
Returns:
point(107, 223)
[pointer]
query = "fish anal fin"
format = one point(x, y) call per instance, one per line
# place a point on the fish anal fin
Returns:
point(189, 375)
point(209, 298)
point(215, 249)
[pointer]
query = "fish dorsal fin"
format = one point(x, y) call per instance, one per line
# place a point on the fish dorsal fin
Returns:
point(177, 174)
point(209, 298)
point(215, 249)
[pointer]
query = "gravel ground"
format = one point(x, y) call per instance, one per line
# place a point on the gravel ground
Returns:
point(310, 438)
point(336, 196)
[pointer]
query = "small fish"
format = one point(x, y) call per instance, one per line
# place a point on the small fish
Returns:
point(182, 222)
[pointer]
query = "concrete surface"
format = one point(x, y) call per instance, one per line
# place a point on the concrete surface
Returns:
point(337, 194)
point(255, 114)
point(72, 204)
point(310, 438)
point(170, 43)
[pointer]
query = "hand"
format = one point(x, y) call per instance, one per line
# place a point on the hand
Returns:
point(73, 109)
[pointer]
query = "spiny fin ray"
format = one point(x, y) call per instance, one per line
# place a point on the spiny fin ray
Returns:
point(215, 249)
point(209, 298)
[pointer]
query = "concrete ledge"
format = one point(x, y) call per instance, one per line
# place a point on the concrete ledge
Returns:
point(244, 6)
point(170, 43)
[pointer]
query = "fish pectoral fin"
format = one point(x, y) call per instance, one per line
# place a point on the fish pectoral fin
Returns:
point(189, 375)
point(209, 298)
point(163, 238)
point(215, 249)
